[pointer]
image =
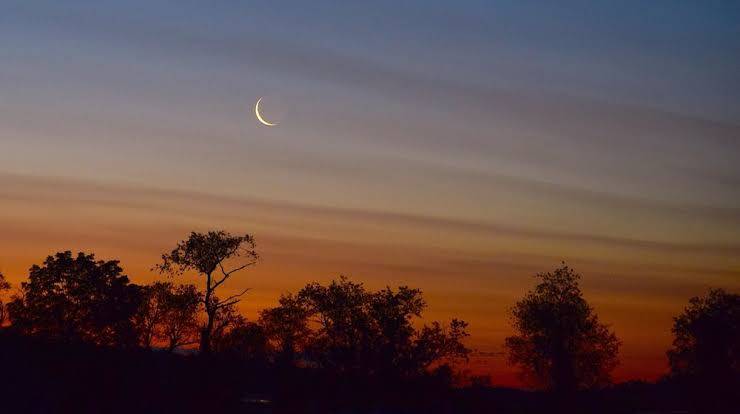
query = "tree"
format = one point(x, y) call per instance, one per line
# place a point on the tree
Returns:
point(180, 323)
point(706, 345)
point(76, 298)
point(358, 332)
point(168, 314)
point(560, 343)
point(244, 340)
point(226, 318)
point(150, 314)
point(4, 285)
point(287, 327)
point(209, 255)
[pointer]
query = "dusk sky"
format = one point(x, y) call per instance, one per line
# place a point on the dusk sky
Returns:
point(458, 147)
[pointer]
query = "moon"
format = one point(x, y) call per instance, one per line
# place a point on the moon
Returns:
point(259, 116)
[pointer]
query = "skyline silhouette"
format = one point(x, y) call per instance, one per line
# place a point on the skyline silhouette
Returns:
point(466, 151)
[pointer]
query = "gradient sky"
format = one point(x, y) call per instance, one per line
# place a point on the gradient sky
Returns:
point(459, 150)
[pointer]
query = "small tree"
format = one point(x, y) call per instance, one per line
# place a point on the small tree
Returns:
point(560, 343)
point(149, 316)
point(706, 345)
point(244, 340)
point(168, 314)
point(4, 285)
point(180, 324)
point(287, 327)
point(77, 298)
point(215, 256)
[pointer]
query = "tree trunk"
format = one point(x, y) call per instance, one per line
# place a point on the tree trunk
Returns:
point(205, 335)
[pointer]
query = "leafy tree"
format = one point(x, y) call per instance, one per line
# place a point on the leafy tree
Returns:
point(180, 323)
point(560, 343)
point(244, 340)
point(287, 327)
point(168, 314)
point(366, 333)
point(150, 314)
point(226, 318)
point(209, 255)
point(77, 298)
point(706, 343)
point(4, 285)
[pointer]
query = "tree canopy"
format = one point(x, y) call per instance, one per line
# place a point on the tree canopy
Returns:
point(215, 256)
point(168, 315)
point(77, 298)
point(706, 340)
point(4, 286)
point(350, 330)
point(559, 343)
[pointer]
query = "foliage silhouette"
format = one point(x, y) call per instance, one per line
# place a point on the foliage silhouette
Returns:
point(560, 343)
point(76, 298)
point(335, 347)
point(245, 341)
point(706, 347)
point(362, 333)
point(209, 255)
point(286, 327)
point(4, 286)
point(168, 315)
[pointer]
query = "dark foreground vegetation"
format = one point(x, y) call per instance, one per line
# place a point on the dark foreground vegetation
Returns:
point(80, 337)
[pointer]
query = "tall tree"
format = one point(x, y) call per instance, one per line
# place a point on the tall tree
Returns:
point(560, 344)
point(215, 256)
point(706, 344)
point(77, 298)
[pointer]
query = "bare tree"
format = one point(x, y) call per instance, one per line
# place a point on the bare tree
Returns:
point(215, 256)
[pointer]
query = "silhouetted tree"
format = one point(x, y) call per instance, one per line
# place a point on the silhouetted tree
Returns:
point(560, 343)
point(210, 255)
point(227, 318)
point(287, 327)
point(244, 340)
point(77, 299)
point(4, 286)
point(363, 333)
point(149, 316)
point(168, 314)
point(706, 344)
point(180, 323)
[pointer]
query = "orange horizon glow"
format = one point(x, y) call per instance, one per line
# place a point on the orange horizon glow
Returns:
point(136, 226)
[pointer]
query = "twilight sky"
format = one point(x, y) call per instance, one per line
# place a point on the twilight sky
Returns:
point(459, 150)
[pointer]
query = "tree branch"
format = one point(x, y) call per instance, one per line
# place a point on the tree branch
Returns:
point(233, 298)
point(227, 274)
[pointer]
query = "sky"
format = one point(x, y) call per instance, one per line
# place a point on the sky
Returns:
point(455, 147)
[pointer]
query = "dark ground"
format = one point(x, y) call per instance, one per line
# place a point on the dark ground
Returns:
point(40, 377)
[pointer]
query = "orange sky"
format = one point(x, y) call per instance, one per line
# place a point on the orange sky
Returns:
point(473, 271)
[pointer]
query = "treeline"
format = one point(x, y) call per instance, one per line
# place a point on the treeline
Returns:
point(364, 342)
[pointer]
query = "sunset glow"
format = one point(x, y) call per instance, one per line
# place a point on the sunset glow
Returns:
point(458, 151)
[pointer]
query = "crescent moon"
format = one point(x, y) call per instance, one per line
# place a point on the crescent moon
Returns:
point(259, 116)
